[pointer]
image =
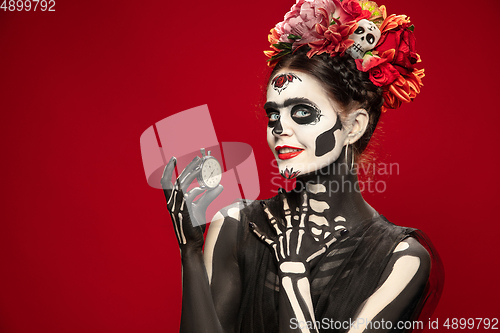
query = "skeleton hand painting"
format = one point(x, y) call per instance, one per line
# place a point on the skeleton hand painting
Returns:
point(318, 256)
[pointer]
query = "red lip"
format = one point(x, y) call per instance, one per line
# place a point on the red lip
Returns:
point(287, 156)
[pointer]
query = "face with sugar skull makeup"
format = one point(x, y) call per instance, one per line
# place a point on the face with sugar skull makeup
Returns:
point(304, 130)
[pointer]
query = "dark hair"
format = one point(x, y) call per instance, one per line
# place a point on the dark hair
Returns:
point(344, 83)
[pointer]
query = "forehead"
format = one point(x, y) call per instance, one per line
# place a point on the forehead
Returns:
point(287, 84)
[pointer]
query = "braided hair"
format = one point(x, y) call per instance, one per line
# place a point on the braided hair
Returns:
point(344, 84)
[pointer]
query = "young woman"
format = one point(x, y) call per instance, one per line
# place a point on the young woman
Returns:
point(318, 258)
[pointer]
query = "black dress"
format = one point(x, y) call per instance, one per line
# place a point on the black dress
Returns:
point(346, 275)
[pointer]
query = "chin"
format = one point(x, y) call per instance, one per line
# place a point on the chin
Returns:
point(293, 170)
point(289, 173)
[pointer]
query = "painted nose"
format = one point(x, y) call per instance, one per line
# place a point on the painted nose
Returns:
point(281, 129)
point(278, 129)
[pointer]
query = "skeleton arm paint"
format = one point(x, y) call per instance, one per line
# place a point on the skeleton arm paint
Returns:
point(398, 292)
point(198, 310)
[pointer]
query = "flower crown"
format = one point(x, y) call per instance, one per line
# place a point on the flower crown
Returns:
point(383, 46)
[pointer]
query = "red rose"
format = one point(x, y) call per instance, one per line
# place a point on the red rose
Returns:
point(402, 41)
point(384, 74)
point(381, 72)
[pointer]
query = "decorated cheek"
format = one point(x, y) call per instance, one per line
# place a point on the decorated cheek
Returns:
point(325, 142)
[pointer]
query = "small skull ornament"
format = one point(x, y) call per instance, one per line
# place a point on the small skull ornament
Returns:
point(365, 37)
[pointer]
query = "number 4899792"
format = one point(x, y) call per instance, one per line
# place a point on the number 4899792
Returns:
point(28, 5)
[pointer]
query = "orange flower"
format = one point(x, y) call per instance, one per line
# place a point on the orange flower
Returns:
point(415, 82)
point(393, 21)
point(335, 38)
point(404, 89)
point(278, 49)
point(273, 39)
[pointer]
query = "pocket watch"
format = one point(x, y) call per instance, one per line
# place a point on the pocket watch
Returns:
point(210, 174)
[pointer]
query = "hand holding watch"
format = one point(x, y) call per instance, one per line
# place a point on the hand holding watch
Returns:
point(210, 174)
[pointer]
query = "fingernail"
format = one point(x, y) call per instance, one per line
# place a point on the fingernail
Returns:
point(343, 232)
point(263, 203)
point(281, 190)
point(251, 225)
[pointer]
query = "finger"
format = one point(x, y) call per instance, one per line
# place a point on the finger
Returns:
point(173, 196)
point(166, 178)
point(188, 199)
point(330, 242)
point(260, 234)
point(266, 239)
point(272, 220)
point(192, 194)
point(317, 253)
point(188, 170)
point(209, 196)
point(299, 241)
point(329, 239)
point(186, 182)
point(288, 213)
point(286, 207)
point(304, 209)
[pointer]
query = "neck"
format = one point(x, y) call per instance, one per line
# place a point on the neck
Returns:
point(334, 191)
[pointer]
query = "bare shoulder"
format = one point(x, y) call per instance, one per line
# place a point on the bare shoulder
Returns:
point(411, 247)
point(411, 256)
point(221, 239)
point(226, 215)
point(232, 211)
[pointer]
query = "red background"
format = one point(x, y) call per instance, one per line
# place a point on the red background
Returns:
point(87, 246)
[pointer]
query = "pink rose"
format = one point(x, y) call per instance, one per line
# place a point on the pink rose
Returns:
point(302, 19)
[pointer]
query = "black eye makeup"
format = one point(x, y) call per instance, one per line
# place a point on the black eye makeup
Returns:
point(304, 114)
point(273, 116)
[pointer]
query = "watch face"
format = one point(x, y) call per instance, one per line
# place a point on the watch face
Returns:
point(211, 172)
